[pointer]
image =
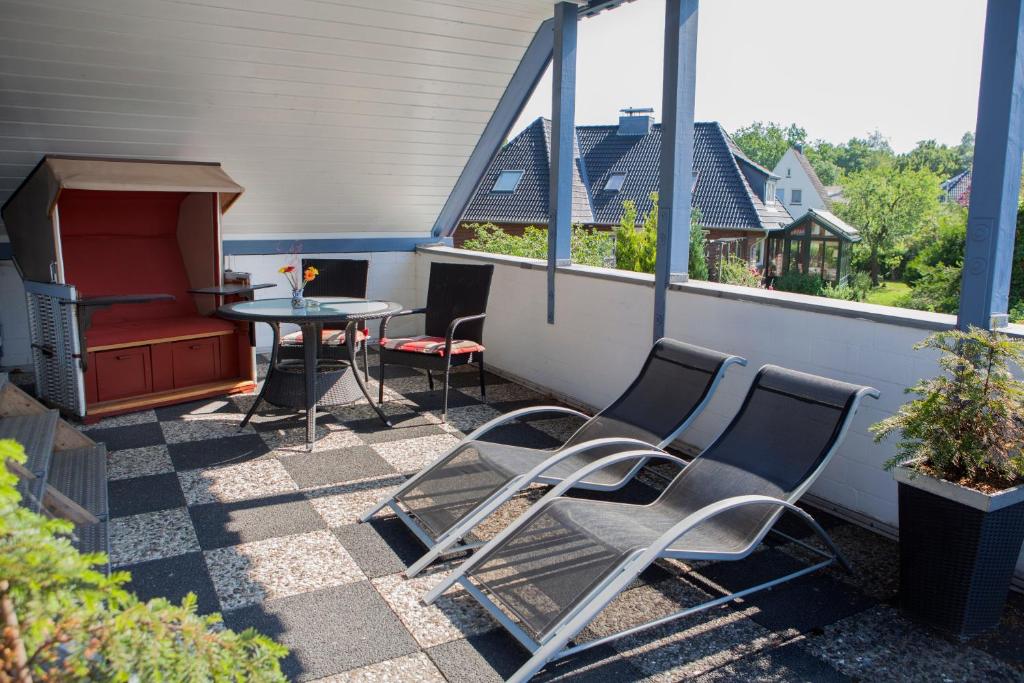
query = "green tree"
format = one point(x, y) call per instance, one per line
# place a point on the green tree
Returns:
point(66, 621)
point(887, 205)
point(765, 143)
point(942, 160)
point(588, 247)
point(636, 248)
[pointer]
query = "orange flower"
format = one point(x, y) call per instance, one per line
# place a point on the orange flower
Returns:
point(310, 274)
point(286, 269)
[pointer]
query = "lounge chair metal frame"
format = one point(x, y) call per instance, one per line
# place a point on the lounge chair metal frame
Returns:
point(449, 541)
point(553, 645)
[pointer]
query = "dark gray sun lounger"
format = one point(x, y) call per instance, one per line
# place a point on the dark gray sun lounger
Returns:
point(448, 498)
point(561, 563)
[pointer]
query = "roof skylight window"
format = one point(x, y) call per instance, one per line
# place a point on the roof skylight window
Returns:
point(615, 181)
point(507, 181)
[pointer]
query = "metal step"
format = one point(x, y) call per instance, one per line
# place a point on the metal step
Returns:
point(31, 491)
point(81, 475)
point(35, 433)
point(92, 538)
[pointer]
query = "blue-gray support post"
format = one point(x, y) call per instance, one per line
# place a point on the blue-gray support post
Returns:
point(530, 70)
point(992, 216)
point(678, 93)
point(563, 133)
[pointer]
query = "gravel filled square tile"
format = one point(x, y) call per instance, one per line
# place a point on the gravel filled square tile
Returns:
point(559, 429)
point(130, 436)
point(414, 454)
point(278, 567)
point(189, 455)
point(144, 494)
point(206, 406)
point(220, 525)
point(314, 470)
point(432, 400)
point(204, 427)
point(415, 668)
point(174, 578)
point(507, 391)
point(255, 479)
point(329, 437)
point(328, 631)
point(468, 418)
point(141, 417)
point(454, 615)
point(344, 503)
point(417, 426)
point(683, 648)
point(151, 536)
point(786, 663)
point(879, 644)
point(138, 462)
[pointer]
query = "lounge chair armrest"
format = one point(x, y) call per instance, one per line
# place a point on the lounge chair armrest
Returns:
point(646, 453)
point(564, 453)
point(515, 415)
point(408, 311)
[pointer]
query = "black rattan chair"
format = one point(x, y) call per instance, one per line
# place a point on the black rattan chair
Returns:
point(456, 305)
point(338, 277)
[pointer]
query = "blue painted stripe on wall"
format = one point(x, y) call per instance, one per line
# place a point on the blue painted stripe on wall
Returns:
point(329, 246)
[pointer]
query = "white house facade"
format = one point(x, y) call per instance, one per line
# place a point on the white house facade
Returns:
point(798, 187)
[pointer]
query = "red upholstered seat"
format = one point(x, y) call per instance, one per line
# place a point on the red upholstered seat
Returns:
point(327, 337)
point(430, 345)
point(108, 334)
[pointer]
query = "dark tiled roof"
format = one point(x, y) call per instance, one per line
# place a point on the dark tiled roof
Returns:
point(721, 191)
point(958, 188)
point(527, 152)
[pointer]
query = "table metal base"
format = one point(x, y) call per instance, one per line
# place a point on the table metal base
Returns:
point(326, 382)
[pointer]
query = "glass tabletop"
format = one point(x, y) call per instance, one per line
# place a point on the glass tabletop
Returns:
point(320, 308)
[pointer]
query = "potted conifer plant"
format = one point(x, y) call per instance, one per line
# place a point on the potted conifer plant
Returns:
point(960, 470)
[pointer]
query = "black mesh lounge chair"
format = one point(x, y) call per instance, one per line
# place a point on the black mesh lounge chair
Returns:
point(446, 500)
point(559, 564)
point(337, 278)
point(456, 305)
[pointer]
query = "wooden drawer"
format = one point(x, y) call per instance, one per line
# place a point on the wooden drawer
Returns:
point(196, 361)
point(122, 372)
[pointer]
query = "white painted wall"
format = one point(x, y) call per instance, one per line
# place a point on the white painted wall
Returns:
point(335, 116)
point(391, 276)
point(603, 332)
point(796, 180)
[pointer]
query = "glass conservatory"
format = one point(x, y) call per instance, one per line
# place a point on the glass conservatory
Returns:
point(817, 243)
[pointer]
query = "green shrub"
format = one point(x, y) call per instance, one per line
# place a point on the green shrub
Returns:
point(967, 424)
point(843, 292)
point(66, 621)
point(733, 270)
point(636, 249)
point(937, 289)
point(799, 283)
point(588, 247)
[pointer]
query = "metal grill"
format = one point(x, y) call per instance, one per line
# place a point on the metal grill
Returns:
point(55, 346)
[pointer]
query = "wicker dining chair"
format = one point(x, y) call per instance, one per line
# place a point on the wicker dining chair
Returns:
point(337, 278)
point(453, 330)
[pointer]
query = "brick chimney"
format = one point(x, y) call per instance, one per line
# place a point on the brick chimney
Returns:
point(635, 121)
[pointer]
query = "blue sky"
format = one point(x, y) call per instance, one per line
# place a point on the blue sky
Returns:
point(839, 68)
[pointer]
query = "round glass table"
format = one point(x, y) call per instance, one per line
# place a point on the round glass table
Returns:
point(334, 380)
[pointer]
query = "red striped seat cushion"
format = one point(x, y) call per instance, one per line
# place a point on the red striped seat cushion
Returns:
point(327, 337)
point(430, 345)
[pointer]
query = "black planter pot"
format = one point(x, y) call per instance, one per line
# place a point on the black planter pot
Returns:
point(958, 550)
